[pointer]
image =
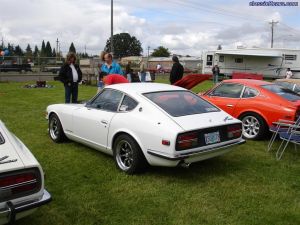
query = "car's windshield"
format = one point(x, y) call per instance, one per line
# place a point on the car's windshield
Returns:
point(180, 103)
point(283, 92)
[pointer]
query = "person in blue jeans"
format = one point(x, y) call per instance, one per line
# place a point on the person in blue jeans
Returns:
point(110, 66)
point(70, 74)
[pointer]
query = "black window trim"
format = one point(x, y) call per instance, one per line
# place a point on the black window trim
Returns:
point(2, 140)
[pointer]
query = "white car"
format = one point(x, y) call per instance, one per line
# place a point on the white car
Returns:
point(147, 123)
point(21, 179)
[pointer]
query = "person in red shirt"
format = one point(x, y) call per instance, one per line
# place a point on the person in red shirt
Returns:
point(114, 79)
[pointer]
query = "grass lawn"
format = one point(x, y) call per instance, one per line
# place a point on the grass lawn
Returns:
point(246, 186)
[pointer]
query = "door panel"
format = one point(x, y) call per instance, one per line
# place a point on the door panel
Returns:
point(92, 125)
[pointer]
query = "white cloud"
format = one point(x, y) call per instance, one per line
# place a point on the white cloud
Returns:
point(185, 27)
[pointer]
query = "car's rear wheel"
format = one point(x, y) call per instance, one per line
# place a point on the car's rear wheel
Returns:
point(254, 126)
point(56, 131)
point(128, 155)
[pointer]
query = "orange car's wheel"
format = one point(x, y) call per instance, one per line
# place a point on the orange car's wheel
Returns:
point(254, 126)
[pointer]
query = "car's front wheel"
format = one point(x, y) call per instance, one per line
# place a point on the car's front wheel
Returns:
point(56, 131)
point(128, 155)
point(254, 126)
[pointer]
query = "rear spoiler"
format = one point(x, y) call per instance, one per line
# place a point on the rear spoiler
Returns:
point(191, 80)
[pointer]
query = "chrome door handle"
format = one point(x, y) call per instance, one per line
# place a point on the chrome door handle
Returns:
point(104, 122)
point(229, 105)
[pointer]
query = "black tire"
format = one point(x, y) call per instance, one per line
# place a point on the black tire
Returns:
point(128, 155)
point(254, 126)
point(56, 131)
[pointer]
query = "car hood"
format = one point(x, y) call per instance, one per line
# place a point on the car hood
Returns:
point(191, 80)
point(205, 120)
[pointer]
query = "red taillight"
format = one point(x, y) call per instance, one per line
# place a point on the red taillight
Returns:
point(187, 140)
point(165, 142)
point(234, 131)
point(17, 179)
point(19, 184)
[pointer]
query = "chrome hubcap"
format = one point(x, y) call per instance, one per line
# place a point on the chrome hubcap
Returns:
point(53, 128)
point(250, 126)
point(124, 155)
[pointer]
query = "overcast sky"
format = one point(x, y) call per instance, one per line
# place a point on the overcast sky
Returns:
point(183, 26)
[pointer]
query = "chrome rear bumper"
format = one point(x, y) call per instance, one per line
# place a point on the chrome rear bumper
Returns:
point(12, 210)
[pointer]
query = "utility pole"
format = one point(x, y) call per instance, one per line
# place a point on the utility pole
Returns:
point(272, 31)
point(57, 51)
point(112, 27)
point(148, 57)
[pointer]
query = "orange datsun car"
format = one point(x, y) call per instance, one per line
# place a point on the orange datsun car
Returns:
point(256, 103)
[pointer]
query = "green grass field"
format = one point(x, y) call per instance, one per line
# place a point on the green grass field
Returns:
point(246, 186)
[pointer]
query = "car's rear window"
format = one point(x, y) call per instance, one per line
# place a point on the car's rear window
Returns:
point(180, 103)
point(1, 139)
point(283, 92)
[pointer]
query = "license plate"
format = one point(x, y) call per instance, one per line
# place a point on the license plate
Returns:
point(212, 138)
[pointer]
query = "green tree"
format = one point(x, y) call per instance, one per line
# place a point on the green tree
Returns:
point(48, 49)
point(53, 53)
point(28, 51)
point(72, 48)
point(124, 45)
point(18, 51)
point(43, 49)
point(161, 52)
point(36, 52)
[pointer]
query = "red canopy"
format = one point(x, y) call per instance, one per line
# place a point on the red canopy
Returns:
point(191, 80)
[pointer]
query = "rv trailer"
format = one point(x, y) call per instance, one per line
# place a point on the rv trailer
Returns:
point(272, 63)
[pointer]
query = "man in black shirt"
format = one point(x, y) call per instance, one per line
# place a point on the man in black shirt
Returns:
point(176, 71)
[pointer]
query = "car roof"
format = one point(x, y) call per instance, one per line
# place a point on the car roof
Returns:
point(247, 82)
point(140, 88)
point(294, 81)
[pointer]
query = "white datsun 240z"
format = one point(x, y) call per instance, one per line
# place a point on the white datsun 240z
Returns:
point(147, 123)
point(21, 179)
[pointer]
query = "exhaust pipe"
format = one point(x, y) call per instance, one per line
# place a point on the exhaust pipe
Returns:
point(184, 165)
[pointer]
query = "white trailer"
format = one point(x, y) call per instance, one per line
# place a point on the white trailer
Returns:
point(270, 62)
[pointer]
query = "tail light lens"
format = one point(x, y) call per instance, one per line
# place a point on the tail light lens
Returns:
point(20, 183)
point(297, 114)
point(187, 140)
point(234, 131)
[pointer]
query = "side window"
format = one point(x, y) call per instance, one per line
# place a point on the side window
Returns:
point(238, 60)
point(128, 104)
point(286, 85)
point(221, 58)
point(108, 100)
point(228, 90)
point(249, 93)
point(209, 60)
point(297, 88)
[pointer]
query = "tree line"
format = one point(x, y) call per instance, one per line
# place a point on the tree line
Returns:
point(123, 45)
point(45, 51)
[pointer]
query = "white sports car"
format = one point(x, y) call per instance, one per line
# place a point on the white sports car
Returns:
point(147, 123)
point(21, 179)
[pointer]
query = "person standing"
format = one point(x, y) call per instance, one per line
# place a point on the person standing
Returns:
point(288, 74)
point(176, 71)
point(142, 71)
point(216, 72)
point(110, 66)
point(128, 71)
point(70, 74)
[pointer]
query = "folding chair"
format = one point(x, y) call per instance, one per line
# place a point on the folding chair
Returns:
point(292, 136)
point(279, 127)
